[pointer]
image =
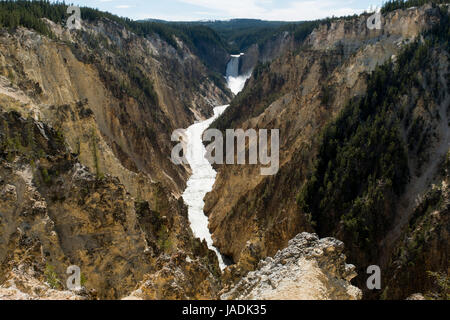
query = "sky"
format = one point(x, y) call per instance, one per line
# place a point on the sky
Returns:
point(194, 10)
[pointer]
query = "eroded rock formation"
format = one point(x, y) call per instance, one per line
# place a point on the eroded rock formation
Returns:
point(308, 269)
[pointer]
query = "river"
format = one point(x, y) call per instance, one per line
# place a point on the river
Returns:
point(203, 175)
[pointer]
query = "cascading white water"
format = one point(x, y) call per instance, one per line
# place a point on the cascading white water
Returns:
point(203, 175)
point(235, 81)
point(201, 181)
point(233, 66)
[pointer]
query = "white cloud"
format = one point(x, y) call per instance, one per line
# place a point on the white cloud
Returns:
point(292, 11)
point(123, 6)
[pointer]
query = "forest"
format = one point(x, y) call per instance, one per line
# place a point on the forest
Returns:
point(29, 14)
point(361, 167)
point(392, 5)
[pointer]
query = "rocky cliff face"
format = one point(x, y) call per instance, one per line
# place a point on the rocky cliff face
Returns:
point(55, 213)
point(308, 269)
point(105, 83)
point(251, 216)
point(266, 52)
point(85, 174)
point(23, 286)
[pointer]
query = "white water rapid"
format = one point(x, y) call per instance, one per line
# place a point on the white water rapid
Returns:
point(203, 175)
point(201, 181)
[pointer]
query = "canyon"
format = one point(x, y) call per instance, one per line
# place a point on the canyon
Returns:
point(86, 177)
point(300, 92)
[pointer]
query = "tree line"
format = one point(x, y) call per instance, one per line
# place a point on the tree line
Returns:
point(392, 5)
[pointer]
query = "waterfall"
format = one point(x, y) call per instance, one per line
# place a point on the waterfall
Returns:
point(233, 66)
point(236, 82)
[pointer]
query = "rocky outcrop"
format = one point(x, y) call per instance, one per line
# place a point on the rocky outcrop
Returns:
point(181, 276)
point(308, 269)
point(23, 286)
